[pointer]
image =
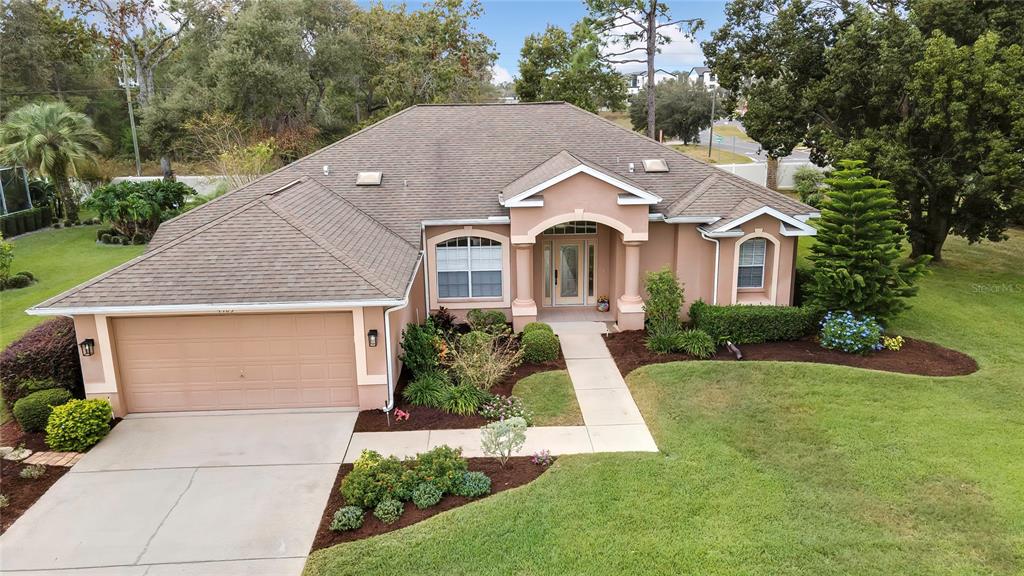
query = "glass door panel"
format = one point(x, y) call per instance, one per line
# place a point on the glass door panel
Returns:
point(568, 280)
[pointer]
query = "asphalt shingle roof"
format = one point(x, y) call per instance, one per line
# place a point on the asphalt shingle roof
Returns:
point(324, 238)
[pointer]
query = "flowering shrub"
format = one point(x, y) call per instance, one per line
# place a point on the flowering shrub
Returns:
point(505, 407)
point(844, 331)
point(401, 415)
point(542, 458)
point(894, 343)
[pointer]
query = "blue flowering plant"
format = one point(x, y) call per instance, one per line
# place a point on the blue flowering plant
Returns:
point(846, 332)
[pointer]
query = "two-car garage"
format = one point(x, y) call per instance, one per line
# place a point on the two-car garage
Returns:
point(235, 361)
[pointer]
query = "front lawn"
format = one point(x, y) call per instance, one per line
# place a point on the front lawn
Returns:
point(551, 398)
point(773, 468)
point(718, 155)
point(60, 259)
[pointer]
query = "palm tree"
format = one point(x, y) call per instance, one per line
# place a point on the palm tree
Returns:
point(48, 138)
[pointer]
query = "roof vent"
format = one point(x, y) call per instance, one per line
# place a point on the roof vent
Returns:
point(655, 165)
point(368, 178)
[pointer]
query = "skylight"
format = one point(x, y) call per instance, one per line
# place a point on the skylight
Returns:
point(368, 178)
point(655, 165)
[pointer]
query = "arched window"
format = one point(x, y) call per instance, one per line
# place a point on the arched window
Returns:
point(469, 267)
point(750, 273)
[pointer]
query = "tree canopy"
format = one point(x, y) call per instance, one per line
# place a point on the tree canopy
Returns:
point(557, 65)
point(683, 109)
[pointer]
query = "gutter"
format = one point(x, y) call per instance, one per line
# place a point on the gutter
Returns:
point(225, 308)
point(718, 247)
point(389, 361)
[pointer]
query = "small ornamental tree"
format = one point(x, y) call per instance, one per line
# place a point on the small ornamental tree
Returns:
point(664, 302)
point(856, 259)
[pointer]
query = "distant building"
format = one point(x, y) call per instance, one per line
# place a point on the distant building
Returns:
point(636, 82)
point(703, 74)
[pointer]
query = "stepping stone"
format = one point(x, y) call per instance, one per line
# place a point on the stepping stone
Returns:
point(18, 455)
point(5, 450)
point(66, 459)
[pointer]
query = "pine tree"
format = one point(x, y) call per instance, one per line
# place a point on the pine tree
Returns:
point(857, 261)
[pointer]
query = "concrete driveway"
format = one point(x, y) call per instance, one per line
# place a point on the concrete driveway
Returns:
point(201, 493)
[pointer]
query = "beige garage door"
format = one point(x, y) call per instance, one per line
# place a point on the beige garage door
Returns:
point(171, 363)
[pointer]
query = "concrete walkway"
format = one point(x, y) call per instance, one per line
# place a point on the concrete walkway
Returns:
point(612, 421)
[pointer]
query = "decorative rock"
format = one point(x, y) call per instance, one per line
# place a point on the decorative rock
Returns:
point(18, 455)
point(5, 450)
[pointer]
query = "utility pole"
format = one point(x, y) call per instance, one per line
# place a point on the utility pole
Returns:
point(711, 135)
point(126, 82)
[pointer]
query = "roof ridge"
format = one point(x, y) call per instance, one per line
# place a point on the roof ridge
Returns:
point(334, 251)
point(147, 255)
point(363, 212)
point(684, 201)
point(290, 165)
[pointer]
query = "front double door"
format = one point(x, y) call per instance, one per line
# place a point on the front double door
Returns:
point(569, 271)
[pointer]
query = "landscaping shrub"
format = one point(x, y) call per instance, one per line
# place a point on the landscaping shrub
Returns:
point(427, 389)
point(808, 181)
point(17, 281)
point(894, 343)
point(389, 511)
point(33, 411)
point(347, 518)
point(845, 331)
point(463, 399)
point(662, 308)
point(28, 275)
point(531, 326)
point(373, 479)
point(442, 466)
point(78, 425)
point(539, 346)
point(503, 438)
point(426, 495)
point(47, 352)
point(420, 348)
point(443, 320)
point(505, 407)
point(489, 321)
point(4, 501)
point(742, 324)
point(482, 360)
point(696, 343)
point(32, 472)
point(473, 485)
point(135, 209)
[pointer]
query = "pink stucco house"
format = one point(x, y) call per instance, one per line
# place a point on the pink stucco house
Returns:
point(293, 290)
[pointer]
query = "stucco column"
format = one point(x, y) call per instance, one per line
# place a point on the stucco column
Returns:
point(524, 309)
point(630, 305)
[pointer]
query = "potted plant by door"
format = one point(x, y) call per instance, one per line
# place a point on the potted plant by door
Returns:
point(602, 304)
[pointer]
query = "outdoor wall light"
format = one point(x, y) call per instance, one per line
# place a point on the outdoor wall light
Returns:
point(87, 346)
point(371, 337)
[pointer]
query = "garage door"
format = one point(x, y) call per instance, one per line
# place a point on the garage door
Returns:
point(172, 363)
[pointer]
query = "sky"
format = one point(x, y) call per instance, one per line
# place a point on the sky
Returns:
point(509, 22)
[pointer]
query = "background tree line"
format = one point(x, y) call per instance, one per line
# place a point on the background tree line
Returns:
point(233, 81)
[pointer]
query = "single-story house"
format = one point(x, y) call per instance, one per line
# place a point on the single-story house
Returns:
point(292, 291)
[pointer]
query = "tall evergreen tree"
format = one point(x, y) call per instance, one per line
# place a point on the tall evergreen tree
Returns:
point(857, 260)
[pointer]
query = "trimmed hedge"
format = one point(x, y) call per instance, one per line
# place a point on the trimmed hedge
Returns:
point(25, 221)
point(539, 346)
point(78, 425)
point(47, 352)
point(33, 411)
point(741, 324)
point(531, 326)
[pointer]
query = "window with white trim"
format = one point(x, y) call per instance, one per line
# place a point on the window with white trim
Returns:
point(750, 273)
point(469, 267)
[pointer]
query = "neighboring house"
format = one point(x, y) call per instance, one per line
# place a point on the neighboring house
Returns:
point(293, 290)
point(638, 81)
point(703, 74)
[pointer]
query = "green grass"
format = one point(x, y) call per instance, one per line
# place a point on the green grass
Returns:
point(551, 398)
point(779, 468)
point(60, 259)
point(718, 155)
point(730, 131)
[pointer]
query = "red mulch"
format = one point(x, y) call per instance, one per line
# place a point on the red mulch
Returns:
point(20, 492)
point(916, 356)
point(518, 471)
point(424, 418)
point(12, 435)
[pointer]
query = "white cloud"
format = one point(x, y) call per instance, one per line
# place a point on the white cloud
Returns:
point(500, 75)
point(680, 53)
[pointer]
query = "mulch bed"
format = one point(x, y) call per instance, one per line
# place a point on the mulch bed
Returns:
point(22, 493)
point(424, 418)
point(916, 357)
point(518, 471)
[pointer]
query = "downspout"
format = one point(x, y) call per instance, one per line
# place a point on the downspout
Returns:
point(389, 361)
point(714, 295)
point(426, 273)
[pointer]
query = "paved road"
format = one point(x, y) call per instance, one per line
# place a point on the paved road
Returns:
point(747, 148)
